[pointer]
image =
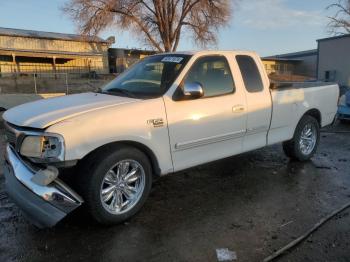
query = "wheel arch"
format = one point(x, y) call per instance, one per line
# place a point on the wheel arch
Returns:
point(292, 147)
point(315, 113)
point(143, 148)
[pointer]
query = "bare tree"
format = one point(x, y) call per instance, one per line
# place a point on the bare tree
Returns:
point(161, 23)
point(340, 22)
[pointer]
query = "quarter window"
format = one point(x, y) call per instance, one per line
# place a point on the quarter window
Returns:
point(214, 74)
point(250, 73)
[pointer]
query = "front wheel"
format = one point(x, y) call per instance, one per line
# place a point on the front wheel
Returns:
point(116, 184)
point(305, 141)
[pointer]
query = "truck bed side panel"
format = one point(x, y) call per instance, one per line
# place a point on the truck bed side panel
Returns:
point(290, 105)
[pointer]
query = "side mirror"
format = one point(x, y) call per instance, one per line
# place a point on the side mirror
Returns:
point(193, 90)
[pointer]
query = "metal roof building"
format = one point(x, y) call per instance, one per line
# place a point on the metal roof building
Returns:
point(298, 63)
point(24, 51)
point(122, 58)
point(334, 59)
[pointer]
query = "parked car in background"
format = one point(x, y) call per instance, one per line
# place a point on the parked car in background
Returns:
point(167, 113)
point(344, 107)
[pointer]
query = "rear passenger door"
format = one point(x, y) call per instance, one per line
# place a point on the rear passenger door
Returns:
point(259, 104)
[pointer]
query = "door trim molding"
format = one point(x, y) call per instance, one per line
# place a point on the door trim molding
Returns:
point(256, 130)
point(208, 140)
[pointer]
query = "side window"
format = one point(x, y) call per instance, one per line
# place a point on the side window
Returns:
point(250, 73)
point(214, 73)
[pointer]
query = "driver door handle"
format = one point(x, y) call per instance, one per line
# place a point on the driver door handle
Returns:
point(238, 109)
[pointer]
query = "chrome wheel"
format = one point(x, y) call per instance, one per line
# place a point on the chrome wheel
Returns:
point(308, 139)
point(122, 187)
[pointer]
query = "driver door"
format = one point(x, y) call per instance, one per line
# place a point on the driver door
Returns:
point(212, 127)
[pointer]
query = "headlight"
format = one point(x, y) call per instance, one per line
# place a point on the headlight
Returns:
point(342, 101)
point(42, 148)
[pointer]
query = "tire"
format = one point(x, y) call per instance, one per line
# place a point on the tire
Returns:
point(297, 150)
point(95, 176)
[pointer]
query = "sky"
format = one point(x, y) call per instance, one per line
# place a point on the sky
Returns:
point(268, 27)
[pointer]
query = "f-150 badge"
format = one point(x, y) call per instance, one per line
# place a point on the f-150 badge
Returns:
point(156, 122)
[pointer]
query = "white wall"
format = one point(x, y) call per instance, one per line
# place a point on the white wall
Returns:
point(334, 54)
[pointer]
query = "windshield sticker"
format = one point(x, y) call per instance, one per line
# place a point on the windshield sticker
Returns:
point(172, 59)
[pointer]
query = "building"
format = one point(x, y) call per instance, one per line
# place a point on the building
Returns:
point(334, 60)
point(302, 63)
point(26, 51)
point(121, 58)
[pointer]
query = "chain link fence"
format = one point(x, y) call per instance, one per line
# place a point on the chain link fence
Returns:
point(39, 83)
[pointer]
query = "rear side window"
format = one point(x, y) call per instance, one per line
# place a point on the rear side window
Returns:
point(250, 73)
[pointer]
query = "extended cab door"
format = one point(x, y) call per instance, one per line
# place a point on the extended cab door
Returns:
point(259, 105)
point(211, 127)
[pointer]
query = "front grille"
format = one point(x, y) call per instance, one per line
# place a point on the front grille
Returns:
point(10, 136)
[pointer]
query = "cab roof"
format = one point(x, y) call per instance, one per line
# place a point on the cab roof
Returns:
point(213, 52)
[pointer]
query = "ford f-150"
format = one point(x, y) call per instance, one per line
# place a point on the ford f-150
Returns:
point(167, 113)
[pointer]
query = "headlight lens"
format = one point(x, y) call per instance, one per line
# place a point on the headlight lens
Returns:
point(43, 148)
point(342, 101)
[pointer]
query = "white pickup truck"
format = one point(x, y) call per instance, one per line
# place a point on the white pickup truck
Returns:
point(167, 113)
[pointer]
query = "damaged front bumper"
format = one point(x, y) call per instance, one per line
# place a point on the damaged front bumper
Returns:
point(44, 206)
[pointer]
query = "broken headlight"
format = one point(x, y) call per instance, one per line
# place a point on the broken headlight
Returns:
point(43, 148)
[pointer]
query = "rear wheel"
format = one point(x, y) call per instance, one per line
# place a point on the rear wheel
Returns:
point(116, 184)
point(305, 141)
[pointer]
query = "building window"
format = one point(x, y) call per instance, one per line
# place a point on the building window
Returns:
point(329, 76)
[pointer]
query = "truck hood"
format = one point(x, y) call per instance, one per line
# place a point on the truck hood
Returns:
point(46, 112)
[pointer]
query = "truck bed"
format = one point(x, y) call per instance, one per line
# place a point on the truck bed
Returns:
point(289, 103)
point(295, 85)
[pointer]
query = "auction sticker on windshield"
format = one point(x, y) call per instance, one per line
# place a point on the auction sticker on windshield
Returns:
point(172, 59)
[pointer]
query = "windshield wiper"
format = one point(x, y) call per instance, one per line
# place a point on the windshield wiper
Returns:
point(118, 90)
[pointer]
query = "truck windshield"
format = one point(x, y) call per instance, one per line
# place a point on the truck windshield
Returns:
point(149, 78)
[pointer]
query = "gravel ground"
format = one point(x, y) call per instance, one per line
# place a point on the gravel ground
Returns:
point(252, 204)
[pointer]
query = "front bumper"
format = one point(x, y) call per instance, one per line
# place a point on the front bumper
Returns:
point(343, 112)
point(44, 206)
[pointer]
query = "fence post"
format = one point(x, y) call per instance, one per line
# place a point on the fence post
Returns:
point(67, 84)
point(35, 88)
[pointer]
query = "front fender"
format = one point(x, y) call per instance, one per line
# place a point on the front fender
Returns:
point(85, 133)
